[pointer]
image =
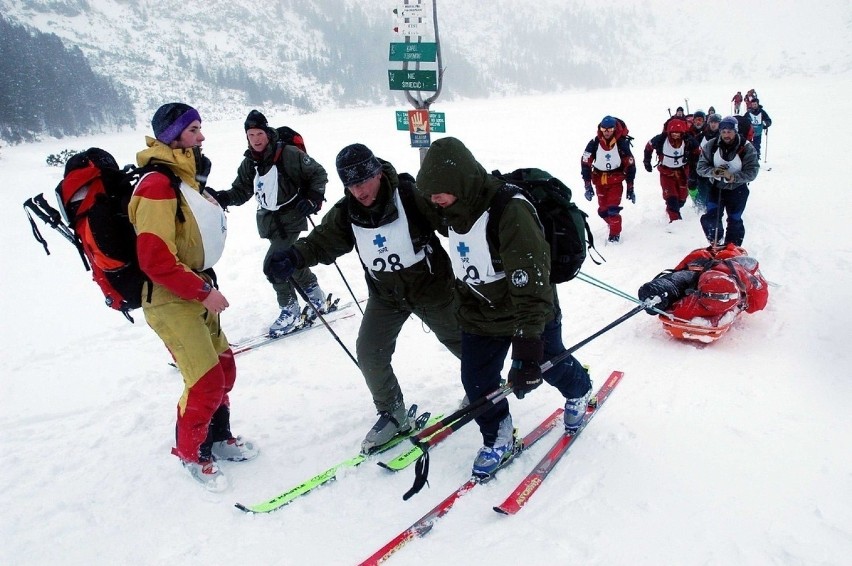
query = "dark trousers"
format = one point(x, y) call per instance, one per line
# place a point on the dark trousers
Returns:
point(733, 202)
point(482, 361)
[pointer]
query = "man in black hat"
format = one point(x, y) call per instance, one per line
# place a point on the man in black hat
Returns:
point(407, 271)
point(288, 186)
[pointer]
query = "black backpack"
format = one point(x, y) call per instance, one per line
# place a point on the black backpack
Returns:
point(288, 136)
point(565, 226)
point(93, 197)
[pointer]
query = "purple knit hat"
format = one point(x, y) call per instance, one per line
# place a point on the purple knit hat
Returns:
point(171, 119)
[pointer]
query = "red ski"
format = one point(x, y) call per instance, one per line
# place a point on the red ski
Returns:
point(427, 521)
point(531, 483)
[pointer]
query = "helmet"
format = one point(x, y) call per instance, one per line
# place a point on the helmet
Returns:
point(677, 126)
point(699, 114)
point(717, 291)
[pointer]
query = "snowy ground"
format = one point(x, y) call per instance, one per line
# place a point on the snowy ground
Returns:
point(736, 453)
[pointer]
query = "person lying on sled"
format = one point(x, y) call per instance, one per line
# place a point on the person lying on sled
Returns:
point(709, 288)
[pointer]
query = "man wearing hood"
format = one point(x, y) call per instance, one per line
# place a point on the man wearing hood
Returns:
point(288, 186)
point(504, 294)
point(392, 228)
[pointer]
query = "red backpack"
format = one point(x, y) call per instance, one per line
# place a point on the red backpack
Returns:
point(93, 197)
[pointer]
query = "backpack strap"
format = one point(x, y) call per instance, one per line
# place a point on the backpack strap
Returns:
point(134, 174)
point(416, 220)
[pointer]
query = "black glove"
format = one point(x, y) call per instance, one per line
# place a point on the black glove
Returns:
point(525, 374)
point(589, 192)
point(306, 207)
point(631, 196)
point(647, 165)
point(309, 203)
point(221, 197)
point(279, 266)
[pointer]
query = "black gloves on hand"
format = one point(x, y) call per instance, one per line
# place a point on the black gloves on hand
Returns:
point(631, 196)
point(309, 203)
point(647, 164)
point(279, 266)
point(525, 374)
point(589, 192)
point(306, 207)
point(221, 197)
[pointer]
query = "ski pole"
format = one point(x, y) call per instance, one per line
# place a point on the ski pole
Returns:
point(766, 146)
point(307, 299)
point(475, 408)
point(345, 282)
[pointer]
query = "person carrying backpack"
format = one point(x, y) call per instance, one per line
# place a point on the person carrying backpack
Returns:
point(288, 186)
point(180, 235)
point(505, 296)
point(730, 162)
point(676, 152)
point(392, 228)
point(607, 162)
point(760, 121)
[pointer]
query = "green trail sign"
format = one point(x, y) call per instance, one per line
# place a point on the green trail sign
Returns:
point(418, 52)
point(413, 80)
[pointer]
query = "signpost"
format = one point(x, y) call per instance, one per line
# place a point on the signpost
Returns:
point(414, 20)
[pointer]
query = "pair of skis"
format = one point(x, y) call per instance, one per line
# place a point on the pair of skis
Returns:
point(520, 496)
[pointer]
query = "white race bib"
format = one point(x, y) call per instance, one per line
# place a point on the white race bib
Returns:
point(388, 247)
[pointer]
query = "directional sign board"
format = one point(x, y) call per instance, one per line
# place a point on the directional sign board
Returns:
point(410, 10)
point(437, 121)
point(413, 80)
point(411, 29)
point(420, 52)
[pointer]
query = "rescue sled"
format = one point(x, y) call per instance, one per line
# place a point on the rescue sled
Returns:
point(699, 329)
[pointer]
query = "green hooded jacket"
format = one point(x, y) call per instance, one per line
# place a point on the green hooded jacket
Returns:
point(521, 303)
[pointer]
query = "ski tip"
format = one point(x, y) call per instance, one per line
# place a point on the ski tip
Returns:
point(385, 466)
point(242, 507)
point(500, 510)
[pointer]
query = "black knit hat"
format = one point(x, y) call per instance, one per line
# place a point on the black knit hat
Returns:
point(171, 119)
point(356, 163)
point(256, 119)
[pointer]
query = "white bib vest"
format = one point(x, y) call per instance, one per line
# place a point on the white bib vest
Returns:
point(673, 158)
point(734, 166)
point(607, 159)
point(388, 247)
point(470, 257)
point(211, 223)
point(266, 189)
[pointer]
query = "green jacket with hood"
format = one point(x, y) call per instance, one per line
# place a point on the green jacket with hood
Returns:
point(427, 283)
point(298, 176)
point(521, 303)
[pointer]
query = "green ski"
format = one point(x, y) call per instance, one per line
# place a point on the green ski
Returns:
point(330, 474)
